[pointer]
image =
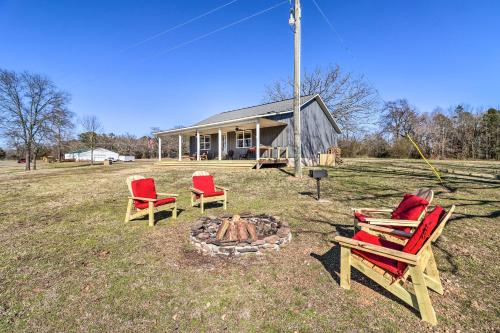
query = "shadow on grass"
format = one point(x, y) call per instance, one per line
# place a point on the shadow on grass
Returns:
point(331, 262)
point(340, 230)
point(286, 172)
point(493, 215)
point(209, 205)
point(453, 182)
point(448, 256)
point(308, 194)
point(161, 215)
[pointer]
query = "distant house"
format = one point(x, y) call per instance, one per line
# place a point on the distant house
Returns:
point(100, 154)
point(126, 158)
point(258, 132)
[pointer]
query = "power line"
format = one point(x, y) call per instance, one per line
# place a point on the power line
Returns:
point(177, 26)
point(333, 28)
point(347, 49)
point(221, 28)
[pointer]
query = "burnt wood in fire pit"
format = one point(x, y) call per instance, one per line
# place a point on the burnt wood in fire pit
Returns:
point(236, 229)
point(225, 236)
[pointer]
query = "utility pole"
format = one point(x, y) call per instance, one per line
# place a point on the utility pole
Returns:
point(294, 21)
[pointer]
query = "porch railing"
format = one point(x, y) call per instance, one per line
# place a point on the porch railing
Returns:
point(273, 152)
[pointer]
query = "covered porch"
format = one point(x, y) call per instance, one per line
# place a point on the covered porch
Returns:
point(243, 140)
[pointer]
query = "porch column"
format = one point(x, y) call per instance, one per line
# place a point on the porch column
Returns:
point(197, 145)
point(257, 143)
point(220, 144)
point(159, 149)
point(180, 147)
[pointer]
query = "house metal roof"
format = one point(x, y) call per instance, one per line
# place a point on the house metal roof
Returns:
point(85, 150)
point(78, 151)
point(254, 112)
point(257, 110)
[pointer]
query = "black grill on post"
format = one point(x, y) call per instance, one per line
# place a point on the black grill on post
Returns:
point(318, 174)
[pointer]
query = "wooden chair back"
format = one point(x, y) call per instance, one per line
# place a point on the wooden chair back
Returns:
point(200, 173)
point(129, 181)
point(424, 193)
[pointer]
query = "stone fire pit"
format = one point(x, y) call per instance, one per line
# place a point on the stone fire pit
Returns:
point(239, 235)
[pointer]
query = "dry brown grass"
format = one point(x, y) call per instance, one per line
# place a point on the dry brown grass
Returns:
point(68, 263)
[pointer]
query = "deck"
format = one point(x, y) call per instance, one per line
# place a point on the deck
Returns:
point(227, 164)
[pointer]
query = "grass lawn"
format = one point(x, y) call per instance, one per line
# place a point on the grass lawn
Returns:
point(68, 263)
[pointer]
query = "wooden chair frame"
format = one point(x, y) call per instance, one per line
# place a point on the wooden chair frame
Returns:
point(424, 193)
point(202, 199)
point(422, 268)
point(151, 210)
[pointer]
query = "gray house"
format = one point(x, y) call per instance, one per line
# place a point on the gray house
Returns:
point(262, 133)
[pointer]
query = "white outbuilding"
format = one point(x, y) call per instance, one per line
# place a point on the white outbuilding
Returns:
point(100, 154)
point(126, 158)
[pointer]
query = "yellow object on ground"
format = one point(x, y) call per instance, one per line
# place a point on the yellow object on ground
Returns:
point(436, 171)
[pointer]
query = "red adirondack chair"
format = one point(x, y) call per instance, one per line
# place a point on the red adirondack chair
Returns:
point(146, 200)
point(405, 217)
point(390, 264)
point(204, 190)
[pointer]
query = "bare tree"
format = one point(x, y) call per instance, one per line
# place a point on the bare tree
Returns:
point(459, 132)
point(27, 104)
point(350, 98)
point(61, 127)
point(441, 132)
point(91, 125)
point(398, 118)
point(41, 142)
point(466, 129)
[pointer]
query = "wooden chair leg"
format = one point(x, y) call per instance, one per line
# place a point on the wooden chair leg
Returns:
point(129, 210)
point(174, 211)
point(192, 199)
point(432, 279)
point(422, 294)
point(202, 204)
point(151, 214)
point(225, 200)
point(356, 227)
point(345, 267)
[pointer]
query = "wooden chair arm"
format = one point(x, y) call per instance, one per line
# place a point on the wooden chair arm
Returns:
point(222, 188)
point(402, 223)
point(373, 210)
point(195, 190)
point(167, 194)
point(408, 258)
point(385, 230)
point(143, 199)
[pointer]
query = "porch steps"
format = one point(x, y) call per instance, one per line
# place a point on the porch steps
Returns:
point(238, 164)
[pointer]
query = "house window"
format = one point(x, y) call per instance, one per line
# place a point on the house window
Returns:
point(244, 139)
point(205, 142)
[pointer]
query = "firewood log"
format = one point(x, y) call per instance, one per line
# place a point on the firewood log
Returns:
point(222, 230)
point(242, 230)
point(252, 231)
point(232, 232)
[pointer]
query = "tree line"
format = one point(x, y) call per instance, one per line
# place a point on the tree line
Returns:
point(36, 121)
point(376, 128)
point(460, 132)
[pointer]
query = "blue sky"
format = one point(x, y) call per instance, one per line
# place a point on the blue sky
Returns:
point(431, 52)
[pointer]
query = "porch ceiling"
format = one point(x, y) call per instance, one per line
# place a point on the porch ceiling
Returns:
point(229, 127)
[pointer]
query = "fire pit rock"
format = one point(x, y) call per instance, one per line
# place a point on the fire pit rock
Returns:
point(237, 235)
